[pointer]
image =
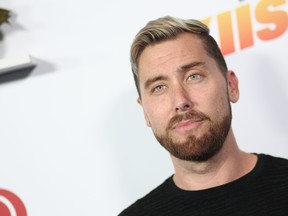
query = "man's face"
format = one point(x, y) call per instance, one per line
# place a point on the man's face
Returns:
point(185, 98)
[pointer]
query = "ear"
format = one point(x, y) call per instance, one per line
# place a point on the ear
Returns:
point(139, 101)
point(233, 87)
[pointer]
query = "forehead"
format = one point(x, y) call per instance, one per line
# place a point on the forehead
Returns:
point(171, 54)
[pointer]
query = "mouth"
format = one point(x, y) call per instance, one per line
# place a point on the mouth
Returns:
point(187, 124)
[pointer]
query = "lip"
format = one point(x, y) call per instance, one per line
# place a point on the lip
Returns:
point(187, 124)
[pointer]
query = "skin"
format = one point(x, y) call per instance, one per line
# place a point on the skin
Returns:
point(176, 76)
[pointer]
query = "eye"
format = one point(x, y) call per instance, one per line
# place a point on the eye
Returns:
point(194, 77)
point(158, 88)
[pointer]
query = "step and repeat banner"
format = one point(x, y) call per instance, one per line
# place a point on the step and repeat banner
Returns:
point(73, 139)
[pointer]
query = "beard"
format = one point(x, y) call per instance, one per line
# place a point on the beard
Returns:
point(197, 149)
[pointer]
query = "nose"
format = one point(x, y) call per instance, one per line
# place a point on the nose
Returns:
point(182, 101)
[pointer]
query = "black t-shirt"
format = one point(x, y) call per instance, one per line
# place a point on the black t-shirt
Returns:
point(263, 191)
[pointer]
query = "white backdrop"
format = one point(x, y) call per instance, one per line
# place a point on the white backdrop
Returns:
point(73, 139)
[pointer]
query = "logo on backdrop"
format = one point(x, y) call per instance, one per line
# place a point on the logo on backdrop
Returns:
point(11, 204)
point(271, 15)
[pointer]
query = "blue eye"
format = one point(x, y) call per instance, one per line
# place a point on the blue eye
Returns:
point(194, 77)
point(159, 88)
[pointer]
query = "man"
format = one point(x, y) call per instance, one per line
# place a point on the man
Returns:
point(185, 90)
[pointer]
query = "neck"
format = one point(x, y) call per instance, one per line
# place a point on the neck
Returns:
point(228, 165)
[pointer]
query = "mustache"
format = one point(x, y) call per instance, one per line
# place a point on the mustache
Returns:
point(190, 115)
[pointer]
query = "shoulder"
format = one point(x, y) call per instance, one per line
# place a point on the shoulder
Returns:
point(148, 202)
point(272, 183)
point(273, 168)
point(273, 161)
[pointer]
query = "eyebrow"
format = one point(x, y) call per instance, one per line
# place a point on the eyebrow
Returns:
point(187, 67)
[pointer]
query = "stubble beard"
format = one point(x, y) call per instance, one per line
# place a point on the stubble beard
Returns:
point(197, 149)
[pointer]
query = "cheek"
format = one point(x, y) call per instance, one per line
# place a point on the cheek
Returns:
point(157, 114)
point(215, 102)
point(221, 102)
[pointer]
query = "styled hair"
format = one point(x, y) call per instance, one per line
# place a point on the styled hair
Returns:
point(168, 28)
